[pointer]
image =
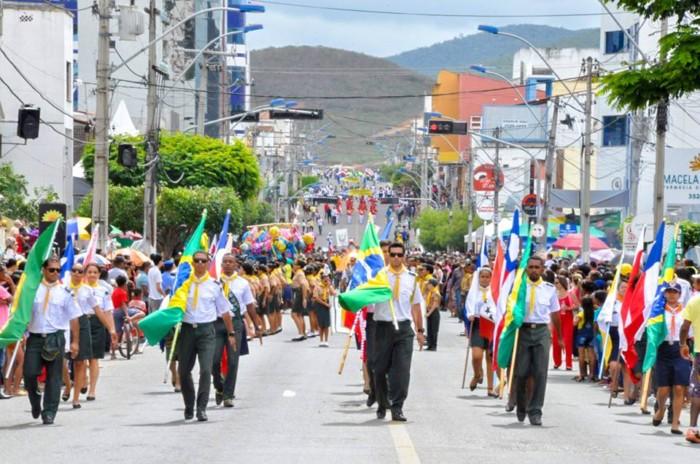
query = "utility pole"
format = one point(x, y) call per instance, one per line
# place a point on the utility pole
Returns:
point(548, 168)
point(150, 226)
point(640, 127)
point(202, 97)
point(497, 175)
point(424, 190)
point(100, 195)
point(586, 173)
point(468, 201)
point(661, 126)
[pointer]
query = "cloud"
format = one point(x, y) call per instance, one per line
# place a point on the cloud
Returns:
point(383, 35)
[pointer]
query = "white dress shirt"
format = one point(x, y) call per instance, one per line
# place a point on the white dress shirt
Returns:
point(546, 303)
point(56, 314)
point(102, 298)
point(241, 290)
point(211, 302)
point(409, 294)
point(85, 298)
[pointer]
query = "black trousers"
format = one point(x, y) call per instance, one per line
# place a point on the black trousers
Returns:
point(392, 366)
point(370, 334)
point(532, 360)
point(196, 343)
point(433, 329)
point(33, 363)
point(227, 385)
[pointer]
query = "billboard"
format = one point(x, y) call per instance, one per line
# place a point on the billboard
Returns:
point(517, 123)
point(682, 176)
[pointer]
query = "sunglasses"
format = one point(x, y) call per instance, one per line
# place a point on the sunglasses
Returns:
point(53, 270)
point(77, 271)
point(201, 261)
point(396, 255)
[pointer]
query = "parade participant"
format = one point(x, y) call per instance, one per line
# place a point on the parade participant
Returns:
point(275, 301)
point(123, 311)
point(349, 209)
point(322, 305)
point(432, 312)
point(249, 276)
point(87, 303)
point(671, 371)
point(585, 336)
point(238, 292)
point(53, 312)
point(481, 311)
point(264, 298)
point(394, 348)
point(311, 273)
point(205, 302)
point(567, 324)
point(156, 294)
point(300, 288)
point(542, 308)
point(100, 318)
point(691, 320)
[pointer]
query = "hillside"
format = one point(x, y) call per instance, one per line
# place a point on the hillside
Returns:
point(316, 76)
point(481, 48)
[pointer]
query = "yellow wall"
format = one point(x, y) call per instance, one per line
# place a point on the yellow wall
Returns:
point(572, 168)
point(447, 83)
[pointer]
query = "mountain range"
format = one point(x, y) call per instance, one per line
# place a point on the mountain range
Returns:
point(362, 95)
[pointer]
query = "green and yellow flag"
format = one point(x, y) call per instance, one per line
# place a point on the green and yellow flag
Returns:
point(515, 310)
point(23, 300)
point(156, 325)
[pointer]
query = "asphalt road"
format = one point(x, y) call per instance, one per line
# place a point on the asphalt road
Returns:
point(292, 406)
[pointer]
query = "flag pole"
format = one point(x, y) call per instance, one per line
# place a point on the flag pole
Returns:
point(172, 351)
point(346, 348)
point(466, 359)
point(12, 360)
point(645, 390)
point(605, 348)
point(512, 364)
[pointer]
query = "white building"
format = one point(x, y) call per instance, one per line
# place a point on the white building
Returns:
point(38, 40)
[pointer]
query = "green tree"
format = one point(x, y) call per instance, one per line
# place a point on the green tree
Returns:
point(679, 75)
point(691, 234)
point(440, 232)
point(179, 210)
point(308, 180)
point(257, 212)
point(15, 201)
point(201, 161)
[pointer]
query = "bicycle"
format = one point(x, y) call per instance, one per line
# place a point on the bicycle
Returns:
point(129, 340)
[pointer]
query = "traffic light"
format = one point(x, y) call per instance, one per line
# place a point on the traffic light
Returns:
point(126, 155)
point(28, 121)
point(296, 114)
point(447, 127)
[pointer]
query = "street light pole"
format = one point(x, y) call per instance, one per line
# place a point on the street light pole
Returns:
point(586, 173)
point(548, 168)
point(151, 187)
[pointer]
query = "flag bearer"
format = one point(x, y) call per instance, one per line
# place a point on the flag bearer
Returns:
point(53, 312)
point(239, 294)
point(205, 302)
point(394, 348)
point(691, 320)
point(532, 358)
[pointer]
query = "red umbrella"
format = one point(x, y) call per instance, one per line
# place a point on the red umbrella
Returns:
point(574, 242)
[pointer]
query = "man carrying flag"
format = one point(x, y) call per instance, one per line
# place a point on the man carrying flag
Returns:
point(532, 305)
point(46, 310)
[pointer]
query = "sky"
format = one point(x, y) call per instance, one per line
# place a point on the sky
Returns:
point(384, 35)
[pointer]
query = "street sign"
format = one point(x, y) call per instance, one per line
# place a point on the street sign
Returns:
point(484, 203)
point(485, 179)
point(538, 231)
point(296, 114)
point(529, 204)
point(341, 238)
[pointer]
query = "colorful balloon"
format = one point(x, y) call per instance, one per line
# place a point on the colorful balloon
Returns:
point(274, 232)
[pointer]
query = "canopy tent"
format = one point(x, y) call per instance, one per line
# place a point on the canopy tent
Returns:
point(575, 242)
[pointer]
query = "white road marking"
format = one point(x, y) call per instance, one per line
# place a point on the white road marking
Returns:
point(405, 450)
point(289, 394)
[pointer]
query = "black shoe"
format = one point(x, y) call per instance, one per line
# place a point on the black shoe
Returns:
point(397, 416)
point(219, 398)
point(371, 399)
point(47, 419)
point(36, 411)
point(535, 420)
point(189, 414)
point(228, 403)
point(202, 416)
point(83, 390)
point(381, 413)
point(521, 416)
point(510, 407)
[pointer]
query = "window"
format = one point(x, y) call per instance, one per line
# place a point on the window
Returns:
point(69, 81)
point(614, 131)
point(615, 42)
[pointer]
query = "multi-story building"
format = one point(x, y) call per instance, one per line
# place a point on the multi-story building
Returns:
point(37, 38)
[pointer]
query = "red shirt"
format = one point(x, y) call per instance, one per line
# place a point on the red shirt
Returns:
point(119, 298)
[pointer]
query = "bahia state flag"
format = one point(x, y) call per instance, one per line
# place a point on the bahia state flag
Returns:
point(605, 316)
point(369, 283)
point(629, 322)
point(23, 301)
point(156, 325)
point(515, 310)
point(656, 322)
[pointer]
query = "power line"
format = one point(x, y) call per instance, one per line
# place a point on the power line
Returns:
point(428, 14)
